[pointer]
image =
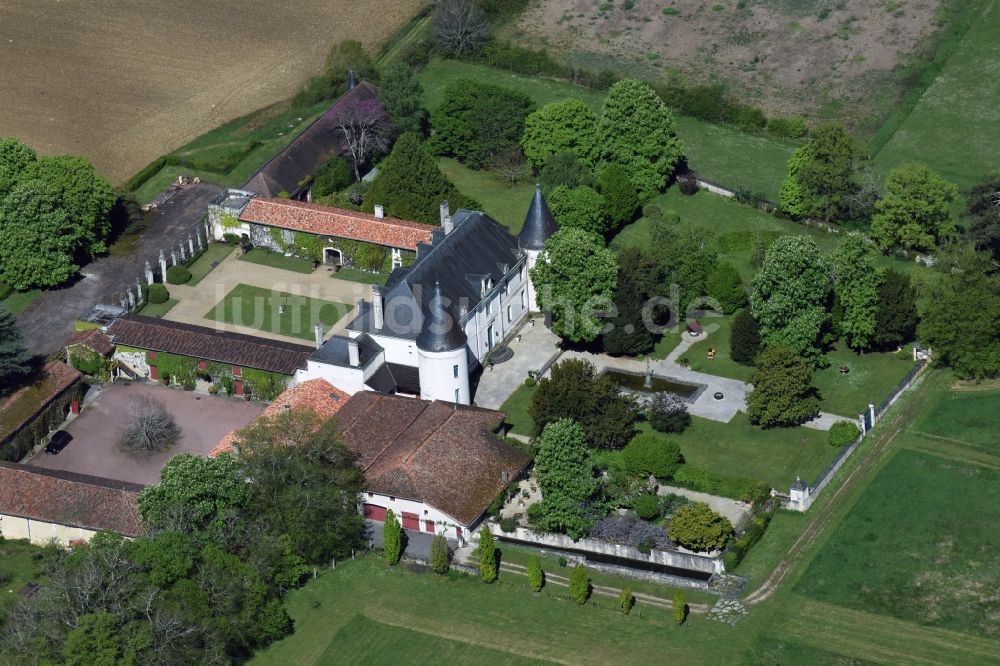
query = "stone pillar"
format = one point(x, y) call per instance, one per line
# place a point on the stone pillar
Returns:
point(138, 290)
point(173, 262)
point(183, 254)
point(163, 267)
point(123, 302)
point(208, 231)
point(191, 245)
point(197, 235)
point(149, 272)
point(130, 297)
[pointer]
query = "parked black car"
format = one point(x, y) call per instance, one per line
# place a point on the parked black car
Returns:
point(58, 442)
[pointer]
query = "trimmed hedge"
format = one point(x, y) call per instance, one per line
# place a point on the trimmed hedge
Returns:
point(178, 274)
point(157, 293)
point(742, 489)
point(843, 433)
point(738, 550)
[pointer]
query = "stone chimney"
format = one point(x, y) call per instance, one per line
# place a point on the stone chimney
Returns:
point(446, 222)
point(379, 211)
point(318, 328)
point(353, 354)
point(378, 316)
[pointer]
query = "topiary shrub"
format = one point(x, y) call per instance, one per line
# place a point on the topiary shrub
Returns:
point(157, 293)
point(579, 584)
point(487, 556)
point(843, 433)
point(508, 524)
point(536, 577)
point(178, 274)
point(439, 555)
point(668, 412)
point(392, 539)
point(652, 454)
point(530, 381)
point(231, 239)
point(625, 600)
point(687, 183)
point(647, 507)
point(680, 607)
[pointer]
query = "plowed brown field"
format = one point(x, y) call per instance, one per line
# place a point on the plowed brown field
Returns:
point(124, 81)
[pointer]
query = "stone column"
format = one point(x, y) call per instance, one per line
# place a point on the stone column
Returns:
point(173, 262)
point(183, 257)
point(149, 273)
point(138, 290)
point(130, 297)
point(191, 245)
point(163, 267)
point(197, 235)
point(208, 231)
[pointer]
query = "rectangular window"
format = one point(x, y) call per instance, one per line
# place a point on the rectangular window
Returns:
point(454, 371)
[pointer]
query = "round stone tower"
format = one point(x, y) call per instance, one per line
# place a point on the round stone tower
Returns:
point(539, 225)
point(442, 360)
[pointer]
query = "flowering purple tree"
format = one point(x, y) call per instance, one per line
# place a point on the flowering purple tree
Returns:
point(365, 128)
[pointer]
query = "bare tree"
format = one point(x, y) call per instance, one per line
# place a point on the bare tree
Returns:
point(460, 26)
point(365, 128)
point(149, 427)
point(509, 165)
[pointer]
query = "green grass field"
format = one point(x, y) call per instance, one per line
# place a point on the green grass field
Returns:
point(260, 309)
point(202, 266)
point(157, 309)
point(506, 622)
point(507, 205)
point(265, 257)
point(718, 153)
point(719, 330)
point(516, 408)
point(363, 277)
point(955, 127)
point(18, 567)
point(871, 378)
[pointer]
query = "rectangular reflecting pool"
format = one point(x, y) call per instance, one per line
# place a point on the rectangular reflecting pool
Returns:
point(635, 382)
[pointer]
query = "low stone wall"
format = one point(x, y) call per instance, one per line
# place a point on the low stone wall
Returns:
point(700, 566)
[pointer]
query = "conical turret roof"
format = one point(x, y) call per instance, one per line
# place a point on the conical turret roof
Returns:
point(539, 224)
point(441, 331)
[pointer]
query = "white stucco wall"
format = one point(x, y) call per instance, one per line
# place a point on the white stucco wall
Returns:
point(41, 533)
point(443, 523)
point(438, 380)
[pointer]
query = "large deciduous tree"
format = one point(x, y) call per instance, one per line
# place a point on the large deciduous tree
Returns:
point(638, 132)
point(621, 201)
point(365, 128)
point(789, 295)
point(914, 212)
point(579, 208)
point(410, 185)
point(783, 394)
point(725, 285)
point(15, 158)
point(640, 278)
point(983, 212)
point(401, 93)
point(896, 318)
point(688, 257)
point(192, 492)
point(822, 179)
point(564, 168)
point(575, 279)
point(575, 391)
point(478, 121)
point(565, 477)
point(568, 125)
point(459, 26)
point(960, 315)
point(856, 280)
point(149, 427)
point(14, 358)
point(38, 239)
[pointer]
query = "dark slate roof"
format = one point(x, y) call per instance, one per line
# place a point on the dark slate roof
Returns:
point(539, 224)
point(200, 342)
point(67, 498)
point(286, 171)
point(478, 248)
point(799, 484)
point(440, 453)
point(395, 378)
point(440, 331)
point(334, 351)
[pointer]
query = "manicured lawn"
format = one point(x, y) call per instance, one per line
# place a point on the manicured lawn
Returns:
point(955, 127)
point(364, 277)
point(972, 417)
point(213, 254)
point(365, 641)
point(870, 380)
point(718, 339)
point(506, 621)
point(919, 545)
point(666, 344)
point(507, 205)
point(718, 153)
point(157, 309)
point(265, 257)
point(18, 567)
point(19, 301)
point(516, 408)
point(775, 456)
point(259, 308)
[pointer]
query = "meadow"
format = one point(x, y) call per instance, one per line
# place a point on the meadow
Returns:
point(277, 311)
point(122, 83)
point(955, 126)
point(717, 152)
